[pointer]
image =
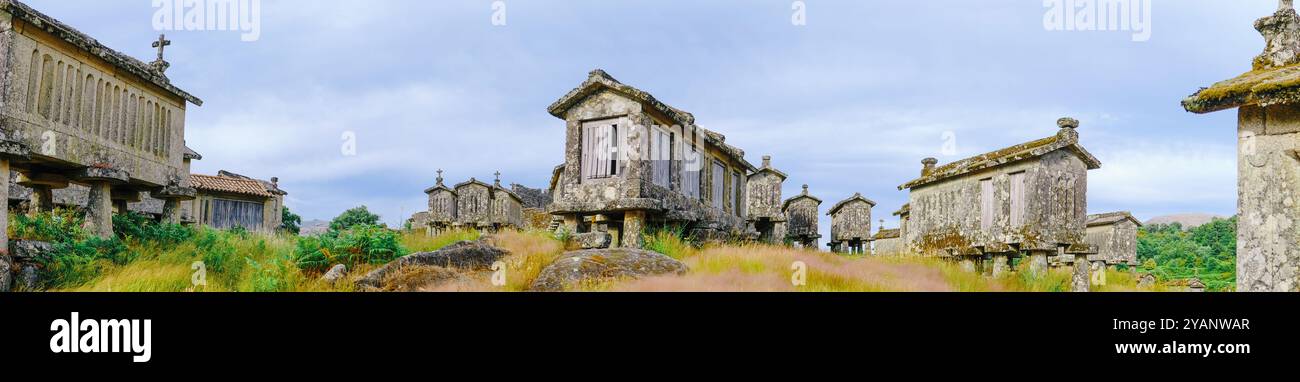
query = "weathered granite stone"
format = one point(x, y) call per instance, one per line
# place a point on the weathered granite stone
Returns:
point(593, 240)
point(1081, 279)
point(603, 265)
point(803, 212)
point(6, 273)
point(335, 274)
point(28, 250)
point(1146, 280)
point(29, 277)
point(468, 255)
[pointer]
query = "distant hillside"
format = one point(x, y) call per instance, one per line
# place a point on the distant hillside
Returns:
point(314, 227)
point(1188, 221)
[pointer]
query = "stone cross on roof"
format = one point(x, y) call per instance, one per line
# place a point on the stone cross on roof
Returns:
point(160, 64)
point(440, 176)
point(498, 181)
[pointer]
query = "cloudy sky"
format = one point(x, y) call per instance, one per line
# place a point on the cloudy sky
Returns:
point(849, 102)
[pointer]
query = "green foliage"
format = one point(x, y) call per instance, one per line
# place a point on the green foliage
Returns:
point(1208, 252)
point(354, 217)
point(291, 222)
point(670, 241)
point(133, 226)
point(364, 244)
point(74, 256)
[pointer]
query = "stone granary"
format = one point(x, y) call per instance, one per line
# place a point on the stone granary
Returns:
point(1268, 156)
point(75, 112)
point(766, 215)
point(1114, 235)
point(230, 200)
point(1024, 200)
point(470, 205)
point(888, 242)
point(802, 210)
point(633, 163)
point(851, 224)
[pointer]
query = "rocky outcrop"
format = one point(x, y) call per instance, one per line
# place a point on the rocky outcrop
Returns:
point(338, 272)
point(593, 240)
point(465, 255)
point(603, 265)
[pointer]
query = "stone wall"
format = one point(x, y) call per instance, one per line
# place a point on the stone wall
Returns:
point(474, 204)
point(1115, 243)
point(851, 222)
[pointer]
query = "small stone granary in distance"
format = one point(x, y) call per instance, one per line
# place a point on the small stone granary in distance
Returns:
point(73, 111)
point(802, 210)
point(633, 163)
point(766, 215)
point(888, 242)
point(851, 225)
point(1025, 200)
point(469, 205)
point(1114, 236)
point(1268, 156)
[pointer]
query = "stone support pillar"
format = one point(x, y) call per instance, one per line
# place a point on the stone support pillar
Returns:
point(633, 229)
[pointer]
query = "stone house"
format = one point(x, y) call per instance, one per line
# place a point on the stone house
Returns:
point(470, 205)
point(1114, 236)
point(633, 163)
point(764, 205)
point(230, 200)
point(802, 210)
point(1024, 200)
point(851, 224)
point(76, 112)
point(1267, 99)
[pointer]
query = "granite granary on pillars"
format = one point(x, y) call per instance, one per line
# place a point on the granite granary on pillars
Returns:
point(851, 225)
point(1114, 236)
point(802, 210)
point(1024, 200)
point(230, 200)
point(766, 215)
point(633, 163)
point(75, 112)
point(470, 205)
point(1268, 156)
point(888, 242)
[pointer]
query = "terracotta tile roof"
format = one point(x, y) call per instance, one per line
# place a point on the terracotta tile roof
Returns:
point(231, 185)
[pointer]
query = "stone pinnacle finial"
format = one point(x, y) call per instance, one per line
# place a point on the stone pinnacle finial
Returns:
point(1281, 32)
point(1067, 123)
point(767, 161)
point(882, 225)
point(927, 166)
point(805, 189)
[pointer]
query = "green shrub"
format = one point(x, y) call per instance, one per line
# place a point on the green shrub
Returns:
point(670, 241)
point(359, 216)
point(133, 226)
point(364, 244)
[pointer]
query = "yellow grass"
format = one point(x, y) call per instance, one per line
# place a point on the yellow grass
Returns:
point(720, 268)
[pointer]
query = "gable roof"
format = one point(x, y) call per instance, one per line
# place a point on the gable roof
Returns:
point(845, 202)
point(507, 191)
point(270, 187)
point(770, 170)
point(802, 195)
point(1262, 87)
point(437, 187)
point(1067, 139)
point(905, 210)
point(229, 185)
point(598, 81)
point(472, 181)
point(888, 234)
point(1110, 218)
point(92, 47)
point(191, 154)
